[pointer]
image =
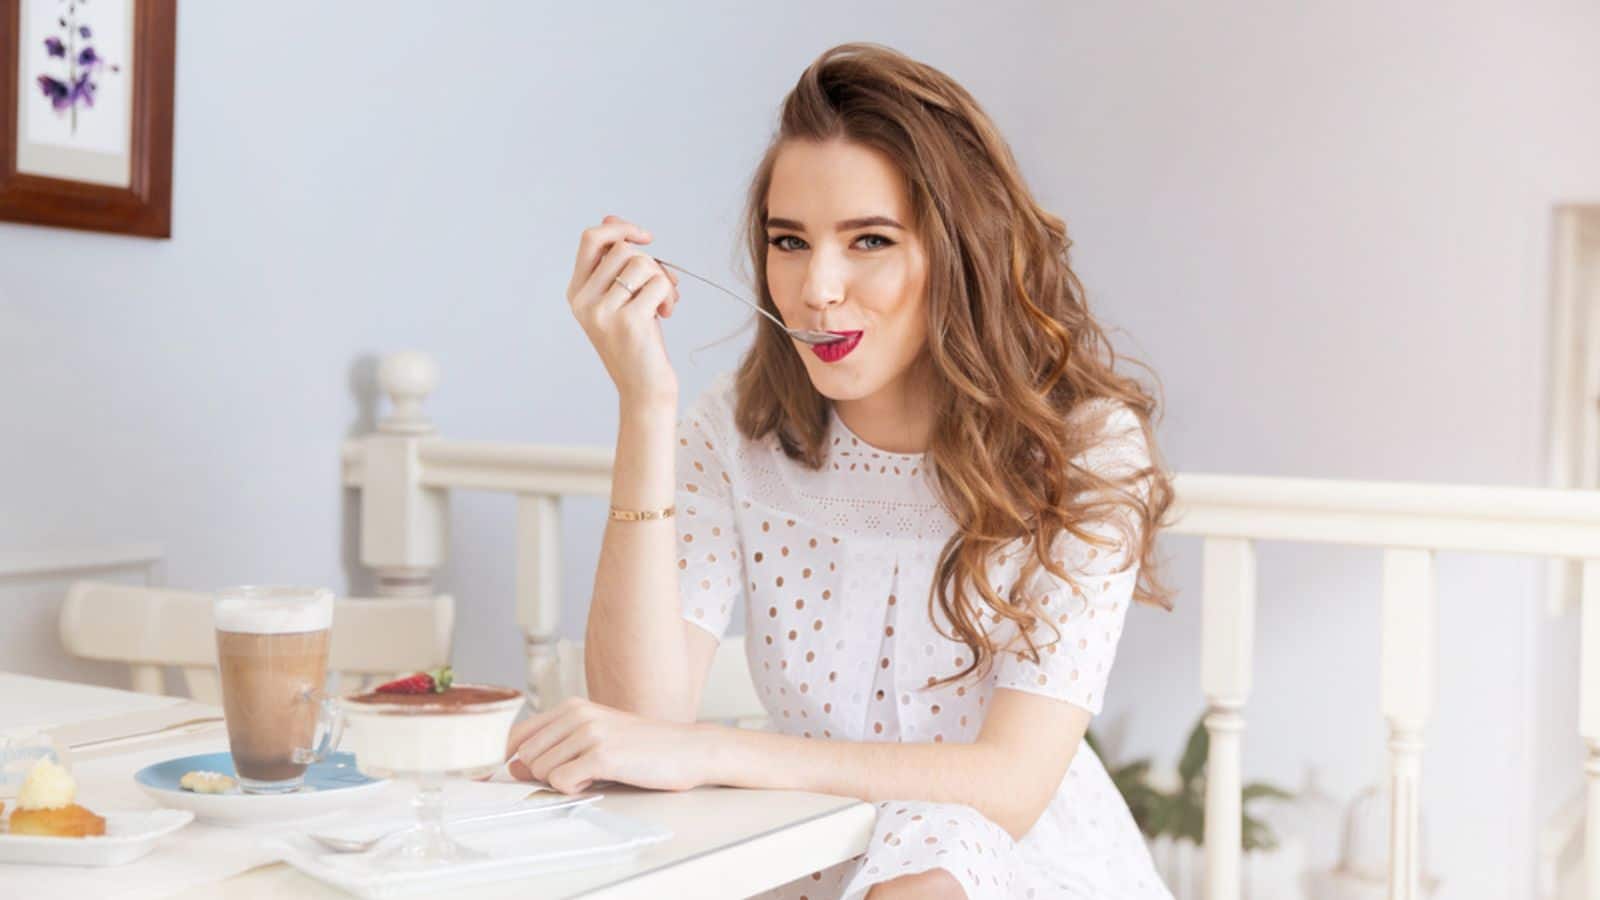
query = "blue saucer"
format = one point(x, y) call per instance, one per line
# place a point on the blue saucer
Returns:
point(332, 784)
point(336, 772)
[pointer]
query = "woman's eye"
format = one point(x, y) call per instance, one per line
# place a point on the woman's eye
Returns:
point(866, 242)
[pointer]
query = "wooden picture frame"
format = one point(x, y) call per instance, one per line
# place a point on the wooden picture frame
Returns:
point(121, 180)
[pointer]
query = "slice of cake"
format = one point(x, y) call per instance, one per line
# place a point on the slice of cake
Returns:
point(46, 807)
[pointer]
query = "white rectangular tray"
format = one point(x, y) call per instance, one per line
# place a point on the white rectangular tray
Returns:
point(585, 836)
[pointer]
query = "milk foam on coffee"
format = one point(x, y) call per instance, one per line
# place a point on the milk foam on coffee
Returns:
point(274, 613)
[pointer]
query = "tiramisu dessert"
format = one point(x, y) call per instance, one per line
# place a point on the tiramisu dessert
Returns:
point(426, 723)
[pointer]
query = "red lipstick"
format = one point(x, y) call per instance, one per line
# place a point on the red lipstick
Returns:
point(837, 350)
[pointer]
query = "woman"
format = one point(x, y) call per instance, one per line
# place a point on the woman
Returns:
point(935, 526)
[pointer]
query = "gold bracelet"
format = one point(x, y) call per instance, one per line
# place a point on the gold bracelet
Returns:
point(635, 515)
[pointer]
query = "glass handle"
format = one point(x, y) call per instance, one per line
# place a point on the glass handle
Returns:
point(330, 721)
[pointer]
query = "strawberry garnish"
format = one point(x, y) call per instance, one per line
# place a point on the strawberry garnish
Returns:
point(431, 682)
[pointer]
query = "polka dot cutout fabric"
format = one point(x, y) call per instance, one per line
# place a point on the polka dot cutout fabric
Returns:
point(833, 569)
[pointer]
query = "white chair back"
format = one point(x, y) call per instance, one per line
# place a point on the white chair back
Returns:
point(149, 628)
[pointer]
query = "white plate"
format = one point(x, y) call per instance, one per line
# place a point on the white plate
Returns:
point(333, 785)
point(129, 835)
point(585, 836)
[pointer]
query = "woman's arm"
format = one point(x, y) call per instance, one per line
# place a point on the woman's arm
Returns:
point(638, 652)
point(1010, 773)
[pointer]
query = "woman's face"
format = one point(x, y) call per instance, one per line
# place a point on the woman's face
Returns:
point(844, 256)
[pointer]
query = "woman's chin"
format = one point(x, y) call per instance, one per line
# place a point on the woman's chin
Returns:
point(838, 385)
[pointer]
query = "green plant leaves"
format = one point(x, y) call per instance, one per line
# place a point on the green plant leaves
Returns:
point(1257, 836)
point(1260, 791)
point(1195, 753)
point(1181, 814)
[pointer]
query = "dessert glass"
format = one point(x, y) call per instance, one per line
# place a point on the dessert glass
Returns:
point(425, 738)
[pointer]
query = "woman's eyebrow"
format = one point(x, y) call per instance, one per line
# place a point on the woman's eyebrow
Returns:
point(846, 225)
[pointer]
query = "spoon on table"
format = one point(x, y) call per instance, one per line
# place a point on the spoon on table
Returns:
point(352, 845)
point(804, 335)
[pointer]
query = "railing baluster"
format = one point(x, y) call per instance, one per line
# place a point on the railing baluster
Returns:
point(1227, 634)
point(1589, 722)
point(539, 583)
point(1409, 623)
point(404, 525)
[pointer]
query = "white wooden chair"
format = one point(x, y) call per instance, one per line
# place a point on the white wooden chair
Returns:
point(150, 628)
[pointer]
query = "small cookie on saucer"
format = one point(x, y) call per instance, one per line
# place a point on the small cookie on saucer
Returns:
point(202, 782)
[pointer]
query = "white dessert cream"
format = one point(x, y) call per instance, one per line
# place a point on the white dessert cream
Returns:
point(48, 786)
point(462, 729)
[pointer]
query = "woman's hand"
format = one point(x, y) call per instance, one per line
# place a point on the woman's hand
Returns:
point(581, 742)
point(616, 293)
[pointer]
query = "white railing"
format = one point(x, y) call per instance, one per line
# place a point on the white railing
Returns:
point(1409, 523)
point(405, 474)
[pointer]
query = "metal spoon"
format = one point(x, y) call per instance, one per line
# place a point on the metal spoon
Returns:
point(351, 845)
point(804, 335)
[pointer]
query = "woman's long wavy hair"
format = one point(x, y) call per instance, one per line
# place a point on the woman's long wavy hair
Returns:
point(1013, 350)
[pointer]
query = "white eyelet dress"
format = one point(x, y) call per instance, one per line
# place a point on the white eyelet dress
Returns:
point(833, 569)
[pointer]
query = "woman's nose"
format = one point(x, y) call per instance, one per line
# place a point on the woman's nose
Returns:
point(823, 287)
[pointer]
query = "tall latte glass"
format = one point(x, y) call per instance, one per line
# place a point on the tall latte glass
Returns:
point(272, 649)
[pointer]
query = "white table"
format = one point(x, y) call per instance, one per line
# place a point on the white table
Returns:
point(726, 842)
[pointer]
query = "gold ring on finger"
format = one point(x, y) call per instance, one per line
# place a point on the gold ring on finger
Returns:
point(625, 286)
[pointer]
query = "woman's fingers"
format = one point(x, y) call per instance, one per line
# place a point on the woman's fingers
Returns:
point(611, 270)
point(639, 276)
point(544, 739)
point(519, 771)
point(595, 242)
point(666, 308)
point(527, 728)
point(542, 763)
point(606, 263)
point(603, 280)
point(596, 239)
point(571, 710)
point(575, 776)
point(650, 299)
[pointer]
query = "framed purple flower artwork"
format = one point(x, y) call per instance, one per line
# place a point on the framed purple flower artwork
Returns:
point(86, 114)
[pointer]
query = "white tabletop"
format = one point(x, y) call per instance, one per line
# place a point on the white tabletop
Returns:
point(44, 703)
point(726, 842)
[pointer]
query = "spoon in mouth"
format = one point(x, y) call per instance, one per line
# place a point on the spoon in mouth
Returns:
point(804, 335)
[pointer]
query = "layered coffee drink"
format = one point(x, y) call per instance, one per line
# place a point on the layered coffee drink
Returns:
point(272, 650)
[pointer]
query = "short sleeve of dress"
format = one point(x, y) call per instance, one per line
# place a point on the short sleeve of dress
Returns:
point(1088, 609)
point(710, 572)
